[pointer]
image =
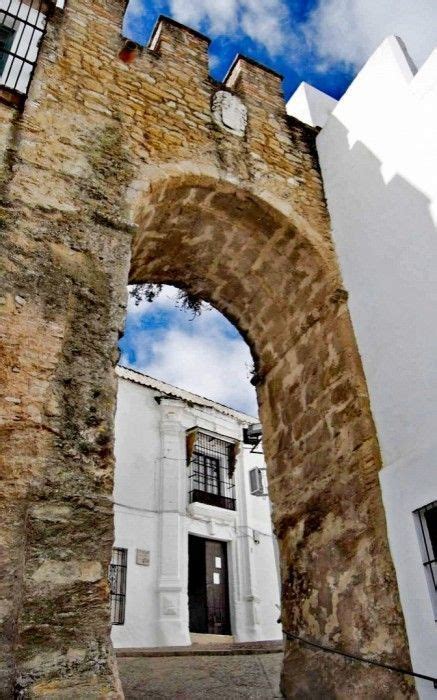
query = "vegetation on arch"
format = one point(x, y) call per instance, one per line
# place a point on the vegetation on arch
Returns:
point(187, 301)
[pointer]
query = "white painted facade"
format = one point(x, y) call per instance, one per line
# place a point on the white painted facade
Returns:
point(378, 154)
point(310, 105)
point(153, 514)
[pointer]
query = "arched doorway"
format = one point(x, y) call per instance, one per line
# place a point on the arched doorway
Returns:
point(284, 295)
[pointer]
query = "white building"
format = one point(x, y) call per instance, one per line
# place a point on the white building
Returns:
point(193, 548)
point(378, 155)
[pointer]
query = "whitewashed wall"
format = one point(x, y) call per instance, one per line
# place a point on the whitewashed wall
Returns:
point(137, 452)
point(152, 513)
point(378, 154)
point(310, 105)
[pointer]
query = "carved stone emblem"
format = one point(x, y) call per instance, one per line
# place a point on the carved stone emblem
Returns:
point(229, 112)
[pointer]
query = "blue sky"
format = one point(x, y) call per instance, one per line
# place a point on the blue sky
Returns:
point(325, 43)
point(232, 33)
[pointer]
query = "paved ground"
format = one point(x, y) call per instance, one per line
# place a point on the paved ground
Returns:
point(255, 677)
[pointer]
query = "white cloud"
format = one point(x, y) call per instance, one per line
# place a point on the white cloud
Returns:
point(220, 15)
point(348, 31)
point(204, 355)
point(266, 23)
point(207, 364)
point(164, 301)
point(262, 21)
point(214, 61)
point(136, 8)
point(336, 32)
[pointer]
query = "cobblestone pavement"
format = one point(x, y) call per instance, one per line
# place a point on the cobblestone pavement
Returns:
point(255, 676)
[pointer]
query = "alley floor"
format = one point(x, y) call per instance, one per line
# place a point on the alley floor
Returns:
point(255, 676)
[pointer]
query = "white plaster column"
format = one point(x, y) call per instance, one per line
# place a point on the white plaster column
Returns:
point(251, 600)
point(172, 594)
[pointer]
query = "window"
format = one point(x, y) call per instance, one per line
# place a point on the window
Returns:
point(6, 40)
point(256, 482)
point(22, 26)
point(117, 583)
point(427, 517)
point(211, 461)
point(206, 473)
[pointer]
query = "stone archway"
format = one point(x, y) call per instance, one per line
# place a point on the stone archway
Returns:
point(284, 294)
point(275, 277)
point(108, 151)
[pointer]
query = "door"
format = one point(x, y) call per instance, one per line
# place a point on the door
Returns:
point(208, 592)
point(217, 598)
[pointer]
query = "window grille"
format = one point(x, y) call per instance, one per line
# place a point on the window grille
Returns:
point(117, 583)
point(211, 462)
point(256, 482)
point(22, 26)
point(427, 517)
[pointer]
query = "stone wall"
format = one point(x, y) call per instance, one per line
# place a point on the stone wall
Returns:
point(116, 165)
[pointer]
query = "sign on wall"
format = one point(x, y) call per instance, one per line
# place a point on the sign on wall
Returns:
point(142, 557)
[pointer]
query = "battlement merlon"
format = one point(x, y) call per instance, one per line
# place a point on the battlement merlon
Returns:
point(172, 43)
point(177, 28)
point(173, 40)
point(252, 79)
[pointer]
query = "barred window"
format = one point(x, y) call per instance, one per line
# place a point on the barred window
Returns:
point(22, 26)
point(117, 583)
point(206, 473)
point(427, 517)
point(6, 40)
point(211, 462)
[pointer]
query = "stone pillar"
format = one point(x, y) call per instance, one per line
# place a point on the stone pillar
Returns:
point(173, 606)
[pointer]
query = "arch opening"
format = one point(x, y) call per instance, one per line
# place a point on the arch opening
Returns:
point(181, 447)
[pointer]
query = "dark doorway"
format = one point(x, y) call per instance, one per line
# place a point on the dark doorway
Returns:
point(208, 595)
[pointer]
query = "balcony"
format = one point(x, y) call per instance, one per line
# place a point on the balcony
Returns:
point(211, 464)
point(212, 499)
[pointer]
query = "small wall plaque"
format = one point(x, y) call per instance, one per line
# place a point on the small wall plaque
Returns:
point(142, 557)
